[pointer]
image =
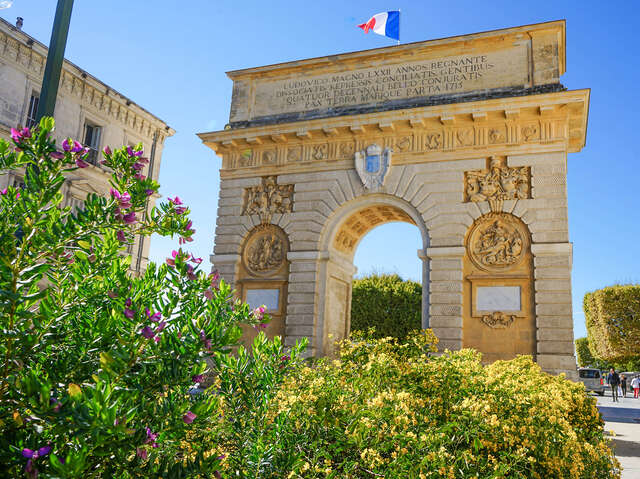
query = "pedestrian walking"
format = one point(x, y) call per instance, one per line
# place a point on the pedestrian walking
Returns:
point(635, 385)
point(614, 381)
point(623, 385)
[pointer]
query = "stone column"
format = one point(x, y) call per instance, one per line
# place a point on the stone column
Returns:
point(445, 286)
point(554, 317)
point(425, 288)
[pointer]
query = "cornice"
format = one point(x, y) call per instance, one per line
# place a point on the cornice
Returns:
point(548, 122)
point(28, 55)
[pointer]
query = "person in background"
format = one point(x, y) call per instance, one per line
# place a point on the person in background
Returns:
point(635, 385)
point(614, 381)
point(623, 385)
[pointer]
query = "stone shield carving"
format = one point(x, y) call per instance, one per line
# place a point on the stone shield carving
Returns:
point(498, 320)
point(372, 165)
point(265, 250)
point(497, 183)
point(267, 199)
point(497, 241)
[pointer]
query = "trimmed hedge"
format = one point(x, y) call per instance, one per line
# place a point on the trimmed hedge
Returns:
point(388, 304)
point(612, 317)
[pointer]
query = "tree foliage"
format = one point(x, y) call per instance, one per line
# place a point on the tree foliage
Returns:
point(612, 317)
point(388, 304)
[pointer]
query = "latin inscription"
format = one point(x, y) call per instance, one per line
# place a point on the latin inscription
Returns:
point(425, 78)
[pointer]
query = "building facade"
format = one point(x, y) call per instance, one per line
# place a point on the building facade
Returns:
point(87, 110)
point(464, 137)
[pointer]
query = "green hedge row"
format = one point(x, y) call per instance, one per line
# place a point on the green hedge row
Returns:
point(388, 304)
point(612, 317)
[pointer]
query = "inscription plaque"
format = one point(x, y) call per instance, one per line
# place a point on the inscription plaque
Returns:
point(267, 297)
point(445, 75)
point(498, 298)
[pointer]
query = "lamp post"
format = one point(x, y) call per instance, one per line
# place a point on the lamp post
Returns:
point(51, 80)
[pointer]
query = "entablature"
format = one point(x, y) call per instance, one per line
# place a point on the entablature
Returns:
point(556, 121)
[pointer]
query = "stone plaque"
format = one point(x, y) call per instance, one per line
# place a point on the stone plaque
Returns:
point(498, 298)
point(267, 297)
point(429, 77)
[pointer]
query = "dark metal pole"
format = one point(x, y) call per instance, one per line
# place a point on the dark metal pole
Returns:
point(51, 80)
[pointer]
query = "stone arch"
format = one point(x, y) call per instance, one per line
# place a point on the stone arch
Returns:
point(340, 236)
point(498, 306)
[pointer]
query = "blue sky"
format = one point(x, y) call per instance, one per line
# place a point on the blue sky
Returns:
point(170, 58)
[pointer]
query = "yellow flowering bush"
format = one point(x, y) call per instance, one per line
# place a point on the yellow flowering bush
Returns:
point(389, 409)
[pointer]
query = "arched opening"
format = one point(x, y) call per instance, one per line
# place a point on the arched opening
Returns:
point(342, 234)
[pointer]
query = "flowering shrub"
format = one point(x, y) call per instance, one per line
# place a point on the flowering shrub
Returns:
point(96, 365)
point(387, 409)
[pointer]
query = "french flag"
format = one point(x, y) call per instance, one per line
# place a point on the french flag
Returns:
point(385, 23)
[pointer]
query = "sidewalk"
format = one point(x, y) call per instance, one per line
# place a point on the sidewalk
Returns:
point(622, 422)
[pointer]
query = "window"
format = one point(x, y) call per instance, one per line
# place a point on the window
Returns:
point(589, 373)
point(92, 140)
point(33, 110)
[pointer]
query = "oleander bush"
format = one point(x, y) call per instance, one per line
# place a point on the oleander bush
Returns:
point(97, 364)
point(390, 409)
point(388, 304)
point(612, 316)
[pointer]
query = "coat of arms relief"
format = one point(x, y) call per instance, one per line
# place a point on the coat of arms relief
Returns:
point(372, 165)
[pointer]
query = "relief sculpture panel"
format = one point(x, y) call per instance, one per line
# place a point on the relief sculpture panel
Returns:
point(497, 183)
point(268, 199)
point(265, 250)
point(497, 242)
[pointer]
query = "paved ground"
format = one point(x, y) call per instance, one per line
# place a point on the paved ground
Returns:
point(622, 421)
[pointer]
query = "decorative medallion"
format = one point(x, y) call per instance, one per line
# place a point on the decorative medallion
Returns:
point(265, 250)
point(268, 198)
point(372, 165)
point(498, 320)
point(496, 242)
point(497, 183)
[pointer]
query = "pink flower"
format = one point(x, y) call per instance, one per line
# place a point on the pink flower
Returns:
point(15, 135)
point(26, 133)
point(130, 218)
point(58, 155)
point(181, 210)
point(107, 151)
point(208, 294)
point(175, 201)
point(129, 313)
point(147, 332)
point(151, 438)
point(196, 260)
point(3, 192)
point(149, 192)
point(189, 417)
point(139, 176)
point(161, 326)
point(112, 295)
point(121, 237)
point(137, 166)
point(141, 453)
point(258, 313)
point(80, 163)
point(72, 146)
point(197, 378)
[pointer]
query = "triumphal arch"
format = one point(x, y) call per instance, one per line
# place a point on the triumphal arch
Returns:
point(465, 137)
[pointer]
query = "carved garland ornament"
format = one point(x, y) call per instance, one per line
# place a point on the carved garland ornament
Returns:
point(265, 250)
point(267, 199)
point(498, 320)
point(496, 242)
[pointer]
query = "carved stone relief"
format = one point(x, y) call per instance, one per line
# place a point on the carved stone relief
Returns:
point(268, 199)
point(530, 132)
point(497, 241)
point(320, 152)
point(294, 154)
point(496, 136)
point(403, 144)
point(433, 141)
point(465, 137)
point(269, 157)
point(265, 250)
point(497, 183)
point(498, 320)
